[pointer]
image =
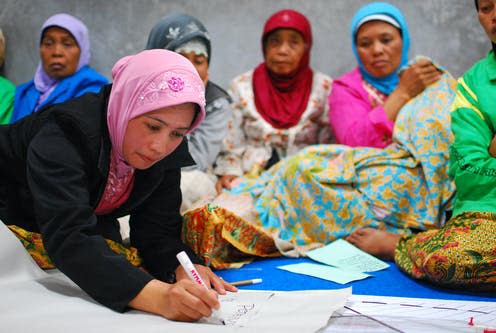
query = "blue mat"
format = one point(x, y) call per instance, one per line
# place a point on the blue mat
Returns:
point(388, 282)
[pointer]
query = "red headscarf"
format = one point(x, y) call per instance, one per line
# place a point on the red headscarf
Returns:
point(281, 100)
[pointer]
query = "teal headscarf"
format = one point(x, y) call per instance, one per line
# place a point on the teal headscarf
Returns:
point(384, 84)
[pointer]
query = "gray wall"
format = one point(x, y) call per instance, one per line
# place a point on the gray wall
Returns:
point(446, 30)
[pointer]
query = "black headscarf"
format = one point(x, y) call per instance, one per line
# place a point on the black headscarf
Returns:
point(174, 30)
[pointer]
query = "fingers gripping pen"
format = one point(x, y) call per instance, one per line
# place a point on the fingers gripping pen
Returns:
point(195, 276)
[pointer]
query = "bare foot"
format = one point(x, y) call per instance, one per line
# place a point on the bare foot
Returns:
point(376, 242)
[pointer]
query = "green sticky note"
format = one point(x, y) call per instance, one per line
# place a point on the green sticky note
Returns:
point(344, 255)
point(324, 272)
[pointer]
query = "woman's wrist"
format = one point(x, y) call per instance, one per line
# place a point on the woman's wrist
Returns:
point(402, 95)
point(396, 100)
point(149, 299)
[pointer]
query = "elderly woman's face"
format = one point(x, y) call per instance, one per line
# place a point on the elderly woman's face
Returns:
point(379, 46)
point(284, 49)
point(151, 137)
point(59, 53)
point(487, 18)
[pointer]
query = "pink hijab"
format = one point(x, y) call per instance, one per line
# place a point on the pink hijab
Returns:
point(147, 81)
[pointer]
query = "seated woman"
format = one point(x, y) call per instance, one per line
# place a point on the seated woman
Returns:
point(326, 192)
point(70, 170)
point(364, 103)
point(279, 107)
point(63, 72)
point(193, 42)
point(7, 88)
point(461, 254)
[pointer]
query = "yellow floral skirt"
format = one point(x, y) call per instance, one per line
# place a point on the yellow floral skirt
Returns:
point(34, 245)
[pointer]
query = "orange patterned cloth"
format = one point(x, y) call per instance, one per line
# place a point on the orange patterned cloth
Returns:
point(223, 239)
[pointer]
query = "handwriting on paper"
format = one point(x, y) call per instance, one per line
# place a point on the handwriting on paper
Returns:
point(239, 308)
point(241, 311)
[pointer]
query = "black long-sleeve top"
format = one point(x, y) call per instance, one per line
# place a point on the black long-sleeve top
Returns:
point(53, 169)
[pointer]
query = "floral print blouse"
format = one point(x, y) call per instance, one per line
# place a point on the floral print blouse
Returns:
point(250, 140)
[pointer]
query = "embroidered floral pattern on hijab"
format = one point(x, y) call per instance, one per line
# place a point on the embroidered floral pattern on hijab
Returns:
point(192, 27)
point(173, 31)
point(172, 84)
point(176, 84)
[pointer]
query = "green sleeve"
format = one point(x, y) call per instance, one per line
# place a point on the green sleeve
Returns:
point(6, 104)
point(471, 166)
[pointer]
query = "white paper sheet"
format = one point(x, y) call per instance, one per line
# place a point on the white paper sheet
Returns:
point(411, 315)
point(31, 299)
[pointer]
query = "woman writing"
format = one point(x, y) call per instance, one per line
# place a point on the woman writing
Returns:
point(364, 103)
point(63, 72)
point(70, 170)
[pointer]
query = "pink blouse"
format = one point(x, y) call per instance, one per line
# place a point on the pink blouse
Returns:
point(356, 115)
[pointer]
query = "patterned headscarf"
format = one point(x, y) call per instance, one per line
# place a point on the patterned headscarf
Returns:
point(147, 81)
point(42, 81)
point(282, 100)
point(375, 10)
point(173, 31)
